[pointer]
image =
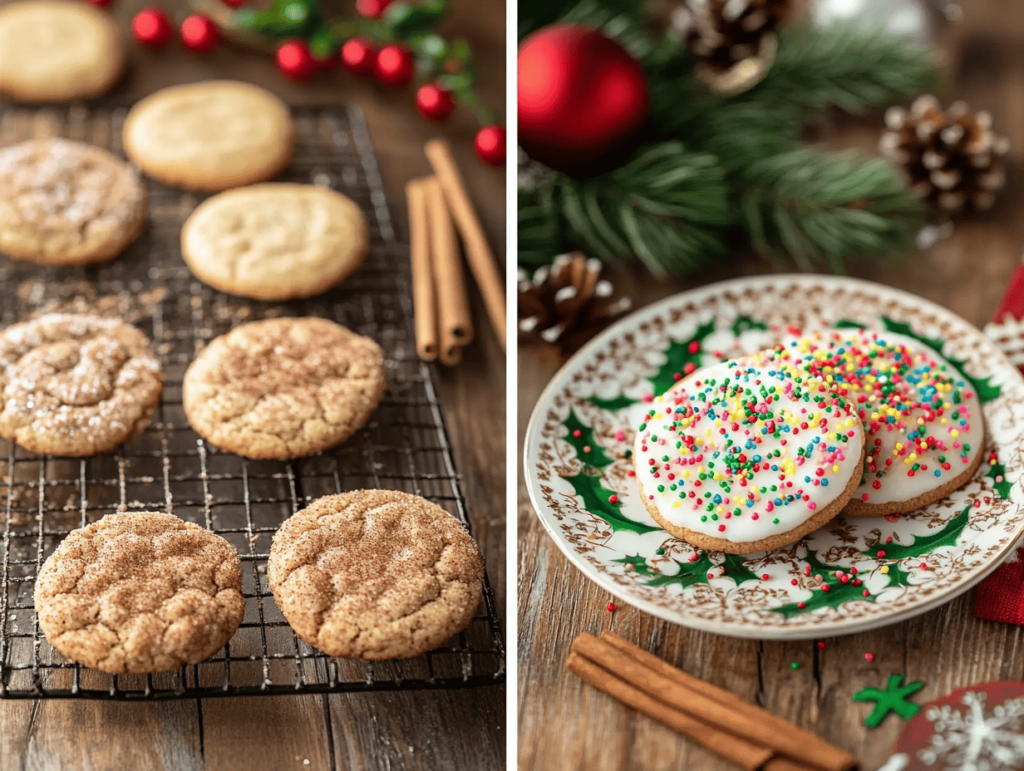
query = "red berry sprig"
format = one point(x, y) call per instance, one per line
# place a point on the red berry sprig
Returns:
point(395, 65)
point(490, 145)
point(199, 33)
point(358, 56)
point(152, 27)
point(372, 9)
point(434, 103)
point(295, 60)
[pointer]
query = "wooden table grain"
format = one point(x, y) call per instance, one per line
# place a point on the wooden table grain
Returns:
point(430, 730)
point(566, 724)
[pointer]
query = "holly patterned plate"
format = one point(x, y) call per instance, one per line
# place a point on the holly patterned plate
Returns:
point(833, 581)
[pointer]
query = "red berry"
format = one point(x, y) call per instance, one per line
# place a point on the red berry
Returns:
point(295, 61)
point(372, 9)
point(434, 102)
point(611, 607)
point(358, 56)
point(490, 145)
point(199, 33)
point(152, 27)
point(233, 3)
point(394, 65)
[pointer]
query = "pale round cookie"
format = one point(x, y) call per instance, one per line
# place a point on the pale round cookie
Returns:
point(375, 574)
point(67, 203)
point(76, 385)
point(283, 388)
point(210, 136)
point(140, 592)
point(923, 420)
point(58, 51)
point(275, 241)
point(742, 459)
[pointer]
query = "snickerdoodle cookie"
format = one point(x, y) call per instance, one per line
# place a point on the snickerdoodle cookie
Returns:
point(210, 136)
point(140, 592)
point(283, 388)
point(76, 385)
point(58, 51)
point(275, 241)
point(67, 203)
point(375, 574)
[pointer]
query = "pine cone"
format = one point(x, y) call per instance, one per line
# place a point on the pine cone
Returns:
point(567, 303)
point(952, 159)
point(732, 42)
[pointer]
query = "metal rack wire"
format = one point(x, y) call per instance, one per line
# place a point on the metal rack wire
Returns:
point(169, 468)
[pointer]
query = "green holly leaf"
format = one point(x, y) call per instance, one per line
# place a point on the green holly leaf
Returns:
point(744, 323)
point(596, 500)
point(689, 573)
point(323, 43)
point(639, 564)
point(585, 444)
point(736, 569)
point(924, 544)
point(900, 328)
point(837, 594)
point(848, 324)
point(678, 355)
point(406, 19)
point(614, 404)
point(1002, 488)
point(898, 576)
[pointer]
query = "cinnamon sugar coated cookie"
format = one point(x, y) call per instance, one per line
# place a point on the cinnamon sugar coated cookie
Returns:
point(67, 203)
point(925, 429)
point(140, 592)
point(58, 51)
point(375, 574)
point(275, 241)
point(741, 459)
point(283, 388)
point(76, 385)
point(210, 136)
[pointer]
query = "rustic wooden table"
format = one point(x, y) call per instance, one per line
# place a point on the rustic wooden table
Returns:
point(403, 730)
point(566, 724)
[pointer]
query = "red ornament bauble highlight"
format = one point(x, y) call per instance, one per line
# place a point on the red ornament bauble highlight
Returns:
point(295, 61)
point(394, 65)
point(372, 9)
point(358, 56)
point(490, 145)
point(434, 102)
point(152, 27)
point(199, 33)
point(582, 99)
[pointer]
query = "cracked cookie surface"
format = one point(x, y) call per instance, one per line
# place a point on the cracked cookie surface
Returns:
point(276, 241)
point(210, 136)
point(67, 203)
point(283, 388)
point(375, 574)
point(140, 592)
point(76, 385)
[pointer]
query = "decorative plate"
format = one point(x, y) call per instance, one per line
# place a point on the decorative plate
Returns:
point(577, 470)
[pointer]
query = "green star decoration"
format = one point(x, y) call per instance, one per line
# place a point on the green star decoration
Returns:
point(894, 698)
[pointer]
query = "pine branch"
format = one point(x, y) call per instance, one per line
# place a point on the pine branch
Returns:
point(827, 206)
point(540, 226)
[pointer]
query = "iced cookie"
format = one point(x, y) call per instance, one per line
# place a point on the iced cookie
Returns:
point(58, 51)
point(923, 422)
point(275, 241)
point(140, 592)
point(283, 388)
point(375, 574)
point(741, 459)
point(210, 136)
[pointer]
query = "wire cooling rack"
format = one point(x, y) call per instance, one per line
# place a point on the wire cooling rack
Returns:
point(169, 468)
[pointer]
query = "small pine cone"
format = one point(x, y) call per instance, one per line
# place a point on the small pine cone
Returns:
point(952, 159)
point(567, 302)
point(732, 42)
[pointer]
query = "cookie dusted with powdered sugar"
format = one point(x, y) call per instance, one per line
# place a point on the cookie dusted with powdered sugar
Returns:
point(284, 388)
point(375, 574)
point(140, 592)
point(67, 203)
point(76, 385)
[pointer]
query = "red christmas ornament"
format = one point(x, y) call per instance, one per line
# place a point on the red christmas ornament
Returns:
point(490, 145)
point(582, 99)
point(358, 56)
point(295, 61)
point(152, 27)
point(199, 33)
point(394, 65)
point(372, 9)
point(434, 102)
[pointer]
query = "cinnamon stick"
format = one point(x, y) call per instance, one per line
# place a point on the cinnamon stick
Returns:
point(423, 299)
point(744, 754)
point(478, 254)
point(787, 739)
point(455, 324)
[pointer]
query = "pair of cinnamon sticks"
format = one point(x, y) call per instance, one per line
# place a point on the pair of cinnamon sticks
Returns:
point(439, 205)
point(752, 738)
